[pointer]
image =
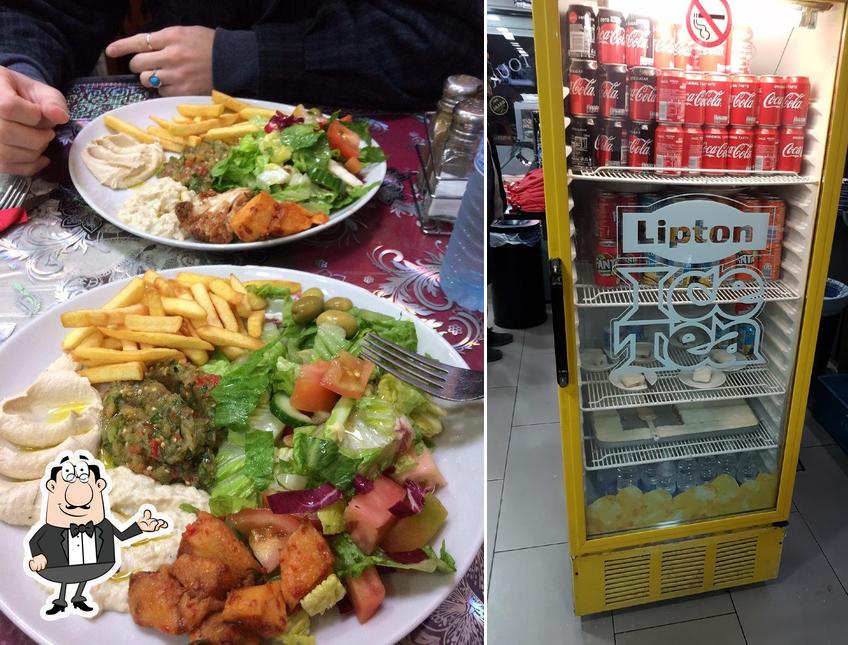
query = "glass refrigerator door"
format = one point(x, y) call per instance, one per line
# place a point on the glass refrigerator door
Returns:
point(695, 170)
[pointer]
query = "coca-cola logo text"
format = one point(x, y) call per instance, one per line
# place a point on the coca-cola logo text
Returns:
point(740, 151)
point(637, 39)
point(716, 151)
point(644, 94)
point(639, 146)
point(792, 150)
point(582, 86)
point(611, 35)
point(609, 90)
point(714, 98)
point(773, 100)
point(604, 142)
point(698, 99)
point(743, 100)
point(793, 100)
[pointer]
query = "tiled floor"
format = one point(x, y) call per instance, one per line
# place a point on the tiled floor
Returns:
point(529, 598)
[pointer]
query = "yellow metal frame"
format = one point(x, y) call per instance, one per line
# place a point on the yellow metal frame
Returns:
point(546, 31)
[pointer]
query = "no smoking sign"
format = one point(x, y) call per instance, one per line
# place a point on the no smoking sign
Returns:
point(709, 22)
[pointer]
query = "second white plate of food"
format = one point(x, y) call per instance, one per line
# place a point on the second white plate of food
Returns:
point(717, 378)
point(107, 201)
point(616, 379)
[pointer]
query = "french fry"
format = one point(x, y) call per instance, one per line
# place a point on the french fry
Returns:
point(158, 339)
point(184, 308)
point(129, 295)
point(112, 343)
point(154, 302)
point(117, 124)
point(167, 324)
point(287, 284)
point(254, 324)
point(224, 312)
point(201, 296)
point(100, 317)
point(242, 308)
point(236, 284)
point(197, 356)
point(256, 302)
point(208, 111)
point(263, 113)
point(199, 127)
point(149, 277)
point(230, 132)
point(100, 356)
point(161, 133)
point(128, 345)
point(193, 140)
point(170, 145)
point(226, 338)
point(233, 352)
point(165, 287)
point(228, 101)
point(196, 119)
point(145, 346)
point(92, 340)
point(116, 372)
point(229, 118)
point(165, 124)
point(223, 289)
point(76, 337)
point(187, 278)
point(181, 119)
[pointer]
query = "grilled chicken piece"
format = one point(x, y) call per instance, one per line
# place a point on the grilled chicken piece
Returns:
point(207, 219)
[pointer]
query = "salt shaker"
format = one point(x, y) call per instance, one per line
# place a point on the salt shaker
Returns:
point(457, 158)
point(456, 88)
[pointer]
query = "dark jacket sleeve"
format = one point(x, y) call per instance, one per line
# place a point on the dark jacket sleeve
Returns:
point(55, 40)
point(376, 54)
point(130, 532)
point(34, 542)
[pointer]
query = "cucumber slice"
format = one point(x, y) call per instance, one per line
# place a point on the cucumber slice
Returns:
point(282, 408)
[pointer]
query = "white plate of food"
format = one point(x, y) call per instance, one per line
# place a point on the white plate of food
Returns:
point(594, 360)
point(289, 175)
point(633, 380)
point(703, 378)
point(410, 596)
point(729, 362)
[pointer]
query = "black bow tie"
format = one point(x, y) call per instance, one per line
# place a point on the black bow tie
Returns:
point(87, 528)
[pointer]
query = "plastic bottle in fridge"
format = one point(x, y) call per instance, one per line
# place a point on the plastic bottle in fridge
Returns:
point(462, 269)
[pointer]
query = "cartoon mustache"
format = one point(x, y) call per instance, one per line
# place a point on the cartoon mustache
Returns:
point(71, 507)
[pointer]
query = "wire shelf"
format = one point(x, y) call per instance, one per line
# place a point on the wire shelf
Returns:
point(589, 295)
point(600, 458)
point(634, 174)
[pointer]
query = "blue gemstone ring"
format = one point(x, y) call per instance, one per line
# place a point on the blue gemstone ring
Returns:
point(155, 81)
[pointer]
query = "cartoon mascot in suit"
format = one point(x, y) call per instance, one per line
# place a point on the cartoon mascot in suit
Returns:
point(75, 542)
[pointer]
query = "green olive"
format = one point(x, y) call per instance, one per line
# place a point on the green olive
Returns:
point(306, 308)
point(338, 303)
point(340, 318)
point(314, 292)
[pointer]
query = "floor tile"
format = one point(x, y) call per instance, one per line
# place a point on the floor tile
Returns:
point(504, 372)
point(806, 604)
point(533, 502)
point(537, 389)
point(499, 404)
point(815, 434)
point(707, 631)
point(493, 505)
point(530, 602)
point(672, 611)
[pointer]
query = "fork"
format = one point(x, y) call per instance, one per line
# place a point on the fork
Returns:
point(15, 194)
point(441, 380)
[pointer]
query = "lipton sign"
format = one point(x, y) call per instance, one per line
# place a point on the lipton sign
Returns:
point(696, 231)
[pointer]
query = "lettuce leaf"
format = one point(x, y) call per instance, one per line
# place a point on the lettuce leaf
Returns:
point(233, 489)
point(370, 435)
point(259, 458)
point(351, 561)
point(401, 332)
point(371, 154)
point(426, 416)
point(329, 341)
point(299, 136)
point(321, 461)
point(284, 376)
point(270, 291)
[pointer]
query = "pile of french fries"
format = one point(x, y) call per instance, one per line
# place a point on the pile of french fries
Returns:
point(154, 318)
point(225, 119)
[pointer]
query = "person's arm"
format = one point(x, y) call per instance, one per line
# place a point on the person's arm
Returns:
point(376, 54)
point(53, 41)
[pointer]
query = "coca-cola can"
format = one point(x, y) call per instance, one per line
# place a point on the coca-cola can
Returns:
point(765, 148)
point(717, 105)
point(579, 137)
point(642, 93)
point(638, 41)
point(796, 101)
point(714, 155)
point(640, 145)
point(790, 149)
point(612, 91)
point(743, 100)
point(610, 38)
point(605, 261)
point(685, 52)
point(770, 93)
point(740, 148)
point(610, 143)
point(582, 87)
point(712, 59)
point(606, 228)
point(696, 98)
point(665, 37)
point(668, 149)
point(671, 96)
point(740, 50)
point(693, 147)
point(578, 25)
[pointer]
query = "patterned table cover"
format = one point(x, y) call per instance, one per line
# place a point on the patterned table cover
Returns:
point(66, 248)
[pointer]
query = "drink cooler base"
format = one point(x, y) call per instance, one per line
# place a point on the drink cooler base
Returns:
point(629, 577)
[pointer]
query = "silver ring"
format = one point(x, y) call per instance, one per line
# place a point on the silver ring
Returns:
point(149, 46)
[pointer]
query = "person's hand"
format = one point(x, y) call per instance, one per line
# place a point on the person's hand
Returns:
point(180, 56)
point(38, 563)
point(29, 110)
point(147, 523)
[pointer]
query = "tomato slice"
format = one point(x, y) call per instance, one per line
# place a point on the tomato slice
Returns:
point(308, 394)
point(348, 375)
point(343, 139)
point(353, 165)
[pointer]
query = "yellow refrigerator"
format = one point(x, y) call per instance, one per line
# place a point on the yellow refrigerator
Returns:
point(693, 154)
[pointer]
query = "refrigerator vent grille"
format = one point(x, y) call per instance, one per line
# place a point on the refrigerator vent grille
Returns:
point(627, 580)
point(590, 295)
point(735, 562)
point(639, 176)
point(682, 569)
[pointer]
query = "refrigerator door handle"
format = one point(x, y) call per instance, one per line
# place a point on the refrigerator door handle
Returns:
point(558, 311)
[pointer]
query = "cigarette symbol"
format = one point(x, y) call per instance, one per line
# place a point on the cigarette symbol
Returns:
point(700, 24)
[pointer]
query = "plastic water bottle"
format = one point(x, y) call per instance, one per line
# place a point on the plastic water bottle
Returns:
point(462, 270)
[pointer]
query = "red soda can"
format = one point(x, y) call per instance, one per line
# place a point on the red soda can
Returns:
point(743, 103)
point(796, 101)
point(606, 228)
point(696, 98)
point(612, 83)
point(671, 96)
point(693, 147)
point(640, 145)
point(610, 143)
point(638, 41)
point(740, 50)
point(740, 148)
point(776, 209)
point(765, 148)
point(668, 149)
point(611, 37)
point(790, 149)
point(582, 87)
point(665, 37)
point(769, 261)
point(642, 90)
point(685, 56)
point(717, 108)
point(605, 261)
point(714, 156)
point(770, 93)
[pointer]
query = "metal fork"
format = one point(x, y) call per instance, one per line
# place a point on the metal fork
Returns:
point(16, 193)
point(441, 380)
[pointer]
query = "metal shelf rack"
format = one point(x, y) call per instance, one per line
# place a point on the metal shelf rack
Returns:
point(589, 295)
point(636, 175)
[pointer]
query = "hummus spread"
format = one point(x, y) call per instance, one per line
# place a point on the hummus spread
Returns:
point(152, 207)
point(119, 161)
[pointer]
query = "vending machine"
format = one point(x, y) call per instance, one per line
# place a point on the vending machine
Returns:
point(693, 155)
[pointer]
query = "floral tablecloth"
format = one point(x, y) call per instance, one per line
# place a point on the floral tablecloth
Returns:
point(66, 249)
